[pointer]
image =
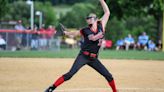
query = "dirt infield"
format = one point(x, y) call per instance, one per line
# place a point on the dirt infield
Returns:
point(35, 74)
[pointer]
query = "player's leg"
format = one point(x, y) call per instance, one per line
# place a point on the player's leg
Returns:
point(99, 67)
point(79, 62)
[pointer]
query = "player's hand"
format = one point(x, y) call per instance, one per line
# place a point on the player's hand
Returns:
point(66, 33)
point(100, 35)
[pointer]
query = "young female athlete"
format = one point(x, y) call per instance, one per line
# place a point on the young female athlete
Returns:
point(93, 35)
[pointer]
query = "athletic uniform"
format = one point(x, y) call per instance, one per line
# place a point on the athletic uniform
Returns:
point(88, 56)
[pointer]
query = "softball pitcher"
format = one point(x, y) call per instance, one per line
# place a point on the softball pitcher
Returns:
point(88, 55)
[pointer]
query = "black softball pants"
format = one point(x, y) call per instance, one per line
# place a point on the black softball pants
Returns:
point(82, 60)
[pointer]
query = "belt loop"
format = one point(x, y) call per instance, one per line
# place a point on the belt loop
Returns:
point(86, 53)
point(93, 55)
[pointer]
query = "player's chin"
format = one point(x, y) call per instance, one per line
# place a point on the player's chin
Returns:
point(89, 22)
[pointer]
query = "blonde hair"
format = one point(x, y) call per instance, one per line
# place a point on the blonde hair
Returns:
point(92, 15)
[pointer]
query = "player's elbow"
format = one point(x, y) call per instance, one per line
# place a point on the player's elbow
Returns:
point(107, 13)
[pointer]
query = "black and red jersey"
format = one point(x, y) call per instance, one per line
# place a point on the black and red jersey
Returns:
point(89, 45)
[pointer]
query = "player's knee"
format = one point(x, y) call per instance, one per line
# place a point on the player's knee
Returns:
point(108, 77)
point(68, 76)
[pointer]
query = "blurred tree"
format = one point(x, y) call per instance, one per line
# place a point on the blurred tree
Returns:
point(15, 13)
point(21, 11)
point(122, 20)
point(49, 15)
point(70, 2)
point(3, 8)
point(115, 30)
point(76, 17)
point(156, 9)
point(122, 9)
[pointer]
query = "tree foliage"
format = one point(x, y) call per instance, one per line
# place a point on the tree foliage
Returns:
point(70, 2)
point(136, 16)
point(19, 10)
point(125, 8)
point(3, 8)
point(49, 15)
point(117, 29)
point(76, 17)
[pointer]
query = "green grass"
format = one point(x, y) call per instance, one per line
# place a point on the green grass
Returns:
point(72, 53)
point(40, 54)
point(141, 55)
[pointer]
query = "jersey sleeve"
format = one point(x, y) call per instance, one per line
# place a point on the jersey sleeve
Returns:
point(85, 32)
point(81, 32)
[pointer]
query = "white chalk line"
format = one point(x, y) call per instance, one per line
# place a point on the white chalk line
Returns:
point(92, 89)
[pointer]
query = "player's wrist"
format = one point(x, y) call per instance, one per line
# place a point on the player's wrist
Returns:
point(65, 33)
point(100, 35)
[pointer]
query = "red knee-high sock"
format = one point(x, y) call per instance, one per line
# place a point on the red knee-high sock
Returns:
point(113, 86)
point(59, 81)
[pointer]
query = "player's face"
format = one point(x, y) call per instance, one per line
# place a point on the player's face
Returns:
point(91, 19)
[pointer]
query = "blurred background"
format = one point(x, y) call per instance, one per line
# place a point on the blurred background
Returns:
point(34, 25)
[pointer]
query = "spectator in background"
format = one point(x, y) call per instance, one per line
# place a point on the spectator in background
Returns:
point(34, 39)
point(143, 41)
point(129, 42)
point(51, 31)
point(42, 38)
point(2, 43)
point(159, 45)
point(19, 36)
point(120, 44)
point(151, 46)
